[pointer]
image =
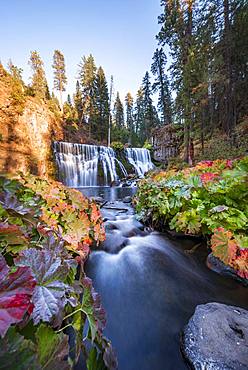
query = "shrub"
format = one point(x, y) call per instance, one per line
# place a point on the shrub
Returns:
point(117, 146)
point(199, 200)
point(147, 145)
point(46, 231)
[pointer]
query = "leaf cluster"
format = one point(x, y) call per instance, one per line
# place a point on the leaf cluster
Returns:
point(199, 200)
point(46, 231)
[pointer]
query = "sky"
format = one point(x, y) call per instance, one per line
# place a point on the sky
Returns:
point(120, 34)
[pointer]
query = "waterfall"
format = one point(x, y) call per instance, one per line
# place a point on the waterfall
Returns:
point(83, 165)
point(140, 159)
point(80, 165)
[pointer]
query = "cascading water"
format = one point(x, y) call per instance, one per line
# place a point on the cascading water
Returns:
point(83, 165)
point(79, 164)
point(140, 159)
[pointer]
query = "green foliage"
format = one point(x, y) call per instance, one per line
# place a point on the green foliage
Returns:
point(120, 134)
point(17, 353)
point(46, 231)
point(39, 83)
point(118, 114)
point(199, 200)
point(147, 145)
point(222, 147)
point(117, 146)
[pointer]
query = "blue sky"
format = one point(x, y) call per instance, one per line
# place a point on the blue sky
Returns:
point(119, 33)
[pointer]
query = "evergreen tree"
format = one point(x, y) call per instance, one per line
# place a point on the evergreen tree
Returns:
point(15, 72)
point(139, 112)
point(161, 85)
point(60, 79)
point(208, 44)
point(102, 105)
point(39, 83)
point(87, 79)
point(129, 111)
point(78, 102)
point(118, 112)
point(150, 115)
point(177, 32)
point(129, 115)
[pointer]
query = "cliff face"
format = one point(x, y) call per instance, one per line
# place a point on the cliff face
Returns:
point(27, 129)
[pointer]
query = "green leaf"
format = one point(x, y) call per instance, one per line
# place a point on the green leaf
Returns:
point(95, 361)
point(17, 353)
point(53, 348)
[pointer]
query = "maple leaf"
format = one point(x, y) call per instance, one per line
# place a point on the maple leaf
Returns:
point(241, 264)
point(224, 246)
point(16, 290)
point(51, 293)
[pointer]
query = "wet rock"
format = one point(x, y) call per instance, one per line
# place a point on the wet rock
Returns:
point(218, 266)
point(97, 199)
point(127, 199)
point(114, 242)
point(216, 338)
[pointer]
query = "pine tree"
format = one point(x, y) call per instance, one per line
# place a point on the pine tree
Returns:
point(102, 105)
point(60, 79)
point(87, 79)
point(139, 112)
point(39, 83)
point(15, 72)
point(161, 85)
point(129, 111)
point(129, 115)
point(78, 102)
point(118, 112)
point(150, 114)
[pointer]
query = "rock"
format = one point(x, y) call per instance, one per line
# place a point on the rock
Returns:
point(216, 338)
point(97, 199)
point(218, 266)
point(127, 199)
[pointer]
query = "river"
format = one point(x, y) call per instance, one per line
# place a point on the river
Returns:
point(150, 286)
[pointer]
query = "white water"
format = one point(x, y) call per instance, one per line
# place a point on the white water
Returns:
point(140, 159)
point(79, 164)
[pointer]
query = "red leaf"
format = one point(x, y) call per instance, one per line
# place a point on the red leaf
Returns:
point(241, 264)
point(208, 176)
point(16, 290)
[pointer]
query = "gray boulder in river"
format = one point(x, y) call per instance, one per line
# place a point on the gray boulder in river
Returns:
point(216, 338)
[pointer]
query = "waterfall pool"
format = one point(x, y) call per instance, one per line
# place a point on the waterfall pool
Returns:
point(150, 287)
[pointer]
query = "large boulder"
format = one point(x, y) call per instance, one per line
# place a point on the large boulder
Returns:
point(216, 338)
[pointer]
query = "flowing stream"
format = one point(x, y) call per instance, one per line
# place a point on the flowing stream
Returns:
point(150, 286)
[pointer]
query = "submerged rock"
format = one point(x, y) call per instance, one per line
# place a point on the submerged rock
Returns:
point(127, 199)
point(218, 266)
point(216, 338)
